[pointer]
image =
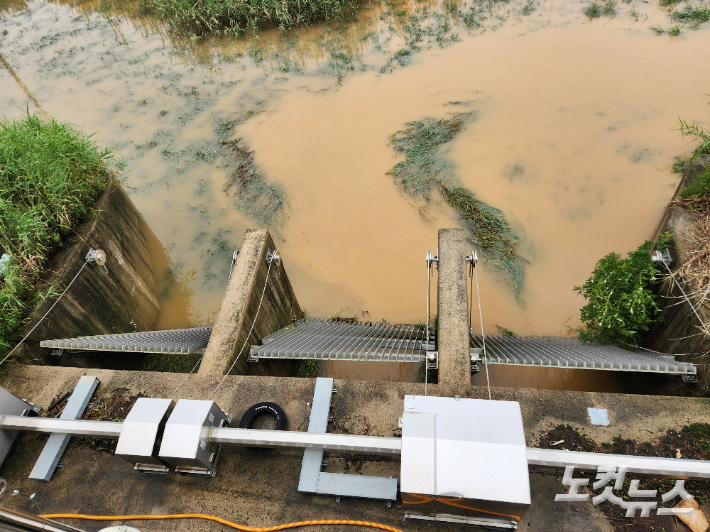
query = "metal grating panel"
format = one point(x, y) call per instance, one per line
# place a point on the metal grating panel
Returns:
point(572, 353)
point(175, 341)
point(333, 340)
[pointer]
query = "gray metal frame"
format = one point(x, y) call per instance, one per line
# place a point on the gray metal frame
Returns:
point(573, 354)
point(57, 443)
point(170, 342)
point(313, 480)
point(319, 339)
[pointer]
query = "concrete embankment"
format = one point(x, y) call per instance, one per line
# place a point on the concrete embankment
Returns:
point(118, 298)
point(679, 330)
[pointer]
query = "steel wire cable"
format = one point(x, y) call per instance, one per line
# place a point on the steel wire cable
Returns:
point(46, 313)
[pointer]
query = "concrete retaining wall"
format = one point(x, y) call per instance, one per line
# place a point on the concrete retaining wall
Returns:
point(119, 298)
point(242, 304)
point(679, 329)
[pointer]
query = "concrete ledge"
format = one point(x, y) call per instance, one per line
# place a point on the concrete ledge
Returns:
point(231, 337)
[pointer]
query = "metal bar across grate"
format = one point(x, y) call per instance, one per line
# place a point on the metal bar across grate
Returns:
point(320, 339)
point(572, 353)
point(174, 341)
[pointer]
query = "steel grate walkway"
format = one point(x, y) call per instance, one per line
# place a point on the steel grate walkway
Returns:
point(320, 339)
point(571, 353)
point(175, 342)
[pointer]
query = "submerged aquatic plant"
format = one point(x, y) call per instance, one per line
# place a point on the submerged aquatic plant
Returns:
point(426, 170)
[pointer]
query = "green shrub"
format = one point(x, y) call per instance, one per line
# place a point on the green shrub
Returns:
point(50, 176)
point(620, 302)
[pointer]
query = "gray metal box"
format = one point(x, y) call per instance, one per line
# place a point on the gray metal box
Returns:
point(142, 432)
point(464, 461)
point(186, 445)
point(10, 405)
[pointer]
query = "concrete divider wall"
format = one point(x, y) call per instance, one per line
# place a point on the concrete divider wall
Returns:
point(242, 304)
point(120, 298)
point(454, 353)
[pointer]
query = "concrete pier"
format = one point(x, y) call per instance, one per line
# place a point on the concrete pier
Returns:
point(454, 357)
point(248, 302)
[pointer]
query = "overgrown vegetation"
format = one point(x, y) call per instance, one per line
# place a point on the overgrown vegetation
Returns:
point(236, 17)
point(620, 302)
point(50, 176)
point(426, 169)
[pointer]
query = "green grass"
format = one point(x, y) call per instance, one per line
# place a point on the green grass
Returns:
point(236, 17)
point(674, 31)
point(50, 176)
point(609, 8)
point(658, 30)
point(700, 187)
point(693, 130)
point(697, 14)
point(426, 170)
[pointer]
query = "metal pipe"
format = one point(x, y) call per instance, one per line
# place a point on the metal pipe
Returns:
point(678, 468)
point(345, 443)
point(334, 443)
point(73, 427)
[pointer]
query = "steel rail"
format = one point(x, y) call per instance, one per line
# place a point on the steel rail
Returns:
point(678, 468)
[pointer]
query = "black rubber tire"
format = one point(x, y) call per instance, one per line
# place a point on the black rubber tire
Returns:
point(260, 409)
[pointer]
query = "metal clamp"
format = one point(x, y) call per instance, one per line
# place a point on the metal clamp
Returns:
point(475, 359)
point(273, 256)
point(234, 260)
point(472, 258)
point(96, 255)
point(663, 257)
point(432, 259)
point(432, 360)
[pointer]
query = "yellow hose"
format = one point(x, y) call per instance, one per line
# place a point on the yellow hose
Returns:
point(219, 520)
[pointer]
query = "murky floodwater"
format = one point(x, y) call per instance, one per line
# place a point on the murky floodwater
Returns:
point(573, 141)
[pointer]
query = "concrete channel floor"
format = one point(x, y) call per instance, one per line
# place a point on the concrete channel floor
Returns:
point(260, 488)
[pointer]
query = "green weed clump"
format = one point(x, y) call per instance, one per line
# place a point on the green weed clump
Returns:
point(426, 169)
point(697, 14)
point(674, 31)
point(700, 187)
point(594, 10)
point(50, 176)
point(620, 303)
point(235, 17)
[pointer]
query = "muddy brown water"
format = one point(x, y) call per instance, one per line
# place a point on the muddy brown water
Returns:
point(573, 141)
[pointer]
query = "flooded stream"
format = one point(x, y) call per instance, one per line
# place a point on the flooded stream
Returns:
point(572, 140)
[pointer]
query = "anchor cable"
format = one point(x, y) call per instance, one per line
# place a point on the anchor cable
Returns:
point(483, 336)
point(46, 313)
